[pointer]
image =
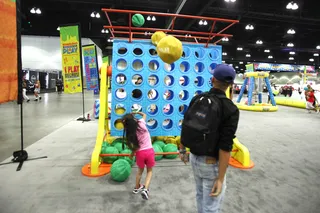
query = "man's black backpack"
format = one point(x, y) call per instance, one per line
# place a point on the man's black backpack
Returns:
point(201, 123)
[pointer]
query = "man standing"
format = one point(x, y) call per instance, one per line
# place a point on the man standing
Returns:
point(216, 118)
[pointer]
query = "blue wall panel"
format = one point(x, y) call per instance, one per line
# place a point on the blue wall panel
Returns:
point(167, 124)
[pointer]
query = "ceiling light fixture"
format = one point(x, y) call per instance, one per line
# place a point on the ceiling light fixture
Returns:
point(292, 6)
point(290, 45)
point(223, 61)
point(104, 31)
point(291, 31)
point(230, 1)
point(259, 42)
point(227, 39)
point(316, 54)
point(266, 51)
point(249, 27)
point(153, 18)
point(35, 10)
point(248, 55)
point(292, 53)
point(95, 15)
point(240, 62)
point(38, 11)
point(270, 57)
point(291, 58)
point(236, 67)
point(148, 18)
point(311, 59)
point(205, 23)
point(239, 48)
point(58, 28)
point(224, 53)
point(318, 47)
point(200, 22)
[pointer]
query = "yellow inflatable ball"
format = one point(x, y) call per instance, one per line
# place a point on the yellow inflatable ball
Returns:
point(157, 36)
point(170, 139)
point(169, 49)
point(160, 138)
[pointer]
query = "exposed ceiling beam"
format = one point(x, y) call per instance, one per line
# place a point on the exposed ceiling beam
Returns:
point(177, 11)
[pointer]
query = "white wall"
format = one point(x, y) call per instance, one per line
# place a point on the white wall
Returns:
point(43, 52)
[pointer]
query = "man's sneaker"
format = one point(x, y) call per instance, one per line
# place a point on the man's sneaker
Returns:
point(145, 194)
point(136, 191)
point(40, 98)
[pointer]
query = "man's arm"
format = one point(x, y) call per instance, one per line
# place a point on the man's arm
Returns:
point(228, 130)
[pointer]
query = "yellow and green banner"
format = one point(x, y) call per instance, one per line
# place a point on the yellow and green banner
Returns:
point(71, 59)
point(8, 51)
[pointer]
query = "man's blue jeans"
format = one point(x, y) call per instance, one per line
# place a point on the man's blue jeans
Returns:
point(205, 175)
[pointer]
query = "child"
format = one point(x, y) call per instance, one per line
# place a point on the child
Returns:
point(37, 91)
point(311, 101)
point(139, 141)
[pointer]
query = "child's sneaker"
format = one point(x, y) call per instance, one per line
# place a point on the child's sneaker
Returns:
point(136, 191)
point(145, 194)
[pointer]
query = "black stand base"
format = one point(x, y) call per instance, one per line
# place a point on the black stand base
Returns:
point(83, 119)
point(20, 157)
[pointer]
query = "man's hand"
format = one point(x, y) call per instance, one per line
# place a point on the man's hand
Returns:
point(217, 188)
point(184, 158)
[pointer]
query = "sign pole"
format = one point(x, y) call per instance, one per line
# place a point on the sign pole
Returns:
point(21, 155)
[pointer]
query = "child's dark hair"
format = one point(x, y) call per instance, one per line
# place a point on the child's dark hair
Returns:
point(130, 130)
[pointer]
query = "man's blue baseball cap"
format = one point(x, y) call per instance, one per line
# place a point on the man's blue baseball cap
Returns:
point(224, 73)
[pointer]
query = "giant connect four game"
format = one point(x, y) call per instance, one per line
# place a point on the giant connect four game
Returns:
point(141, 81)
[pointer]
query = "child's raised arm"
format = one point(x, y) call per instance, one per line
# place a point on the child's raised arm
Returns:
point(144, 116)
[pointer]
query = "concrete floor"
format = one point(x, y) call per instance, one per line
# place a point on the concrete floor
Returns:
point(284, 147)
point(40, 118)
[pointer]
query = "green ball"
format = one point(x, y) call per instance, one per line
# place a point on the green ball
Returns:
point(105, 144)
point(117, 140)
point(109, 150)
point(170, 148)
point(137, 20)
point(157, 149)
point(119, 146)
point(160, 143)
point(120, 170)
point(127, 151)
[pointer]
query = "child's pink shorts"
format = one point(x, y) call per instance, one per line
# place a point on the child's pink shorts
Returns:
point(145, 158)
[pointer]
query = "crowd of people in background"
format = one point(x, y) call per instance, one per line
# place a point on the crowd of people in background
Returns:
point(28, 86)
